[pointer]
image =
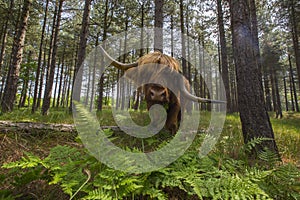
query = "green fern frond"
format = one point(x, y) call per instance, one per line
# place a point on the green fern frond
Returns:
point(27, 161)
point(98, 194)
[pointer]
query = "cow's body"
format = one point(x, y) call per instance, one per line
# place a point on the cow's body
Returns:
point(156, 71)
point(160, 94)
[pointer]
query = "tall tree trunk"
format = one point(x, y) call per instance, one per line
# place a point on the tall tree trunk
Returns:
point(104, 36)
point(253, 114)
point(270, 70)
point(123, 89)
point(189, 65)
point(39, 98)
point(82, 49)
point(26, 71)
point(11, 87)
point(224, 61)
point(56, 84)
point(254, 30)
point(4, 36)
point(158, 24)
point(172, 35)
point(61, 82)
point(183, 45)
point(278, 101)
point(295, 36)
point(50, 79)
point(296, 106)
point(69, 87)
point(285, 94)
point(267, 90)
point(39, 65)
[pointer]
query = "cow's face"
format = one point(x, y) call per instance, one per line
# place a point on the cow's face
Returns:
point(156, 93)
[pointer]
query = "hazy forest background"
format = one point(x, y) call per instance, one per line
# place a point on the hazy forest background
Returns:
point(255, 45)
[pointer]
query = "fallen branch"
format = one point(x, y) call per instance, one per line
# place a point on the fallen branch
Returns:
point(30, 127)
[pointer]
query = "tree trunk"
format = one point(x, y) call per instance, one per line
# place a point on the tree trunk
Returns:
point(26, 71)
point(4, 36)
point(11, 87)
point(158, 24)
point(39, 65)
point(253, 21)
point(82, 49)
point(224, 61)
point(273, 88)
point(39, 98)
point(267, 90)
point(253, 114)
point(61, 82)
point(183, 45)
point(295, 36)
point(104, 36)
point(50, 79)
point(278, 101)
point(94, 74)
point(296, 106)
point(285, 94)
point(56, 84)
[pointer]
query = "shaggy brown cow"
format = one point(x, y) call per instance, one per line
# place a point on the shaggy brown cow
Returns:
point(159, 68)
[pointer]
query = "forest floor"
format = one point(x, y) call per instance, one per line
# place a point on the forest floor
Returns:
point(13, 145)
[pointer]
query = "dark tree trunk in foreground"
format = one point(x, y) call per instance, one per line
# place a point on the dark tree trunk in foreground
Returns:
point(253, 114)
point(14, 70)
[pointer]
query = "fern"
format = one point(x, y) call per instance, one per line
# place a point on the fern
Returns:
point(247, 148)
point(215, 176)
point(98, 194)
point(27, 161)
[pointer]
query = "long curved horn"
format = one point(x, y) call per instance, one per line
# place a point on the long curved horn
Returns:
point(188, 95)
point(116, 63)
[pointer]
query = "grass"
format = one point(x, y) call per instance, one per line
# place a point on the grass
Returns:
point(287, 135)
point(287, 129)
point(56, 115)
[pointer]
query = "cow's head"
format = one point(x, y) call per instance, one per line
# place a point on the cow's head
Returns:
point(153, 58)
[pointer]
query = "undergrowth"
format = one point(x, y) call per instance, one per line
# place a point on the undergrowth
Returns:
point(216, 176)
point(225, 173)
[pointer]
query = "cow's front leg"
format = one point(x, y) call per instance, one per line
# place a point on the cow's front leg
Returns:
point(172, 118)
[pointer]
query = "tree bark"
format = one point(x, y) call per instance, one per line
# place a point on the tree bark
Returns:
point(82, 49)
point(224, 61)
point(296, 106)
point(11, 87)
point(158, 24)
point(4, 36)
point(61, 82)
point(285, 94)
point(50, 80)
point(295, 36)
point(39, 65)
point(183, 45)
point(253, 114)
point(104, 36)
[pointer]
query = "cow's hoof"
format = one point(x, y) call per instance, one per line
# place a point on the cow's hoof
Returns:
point(172, 128)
